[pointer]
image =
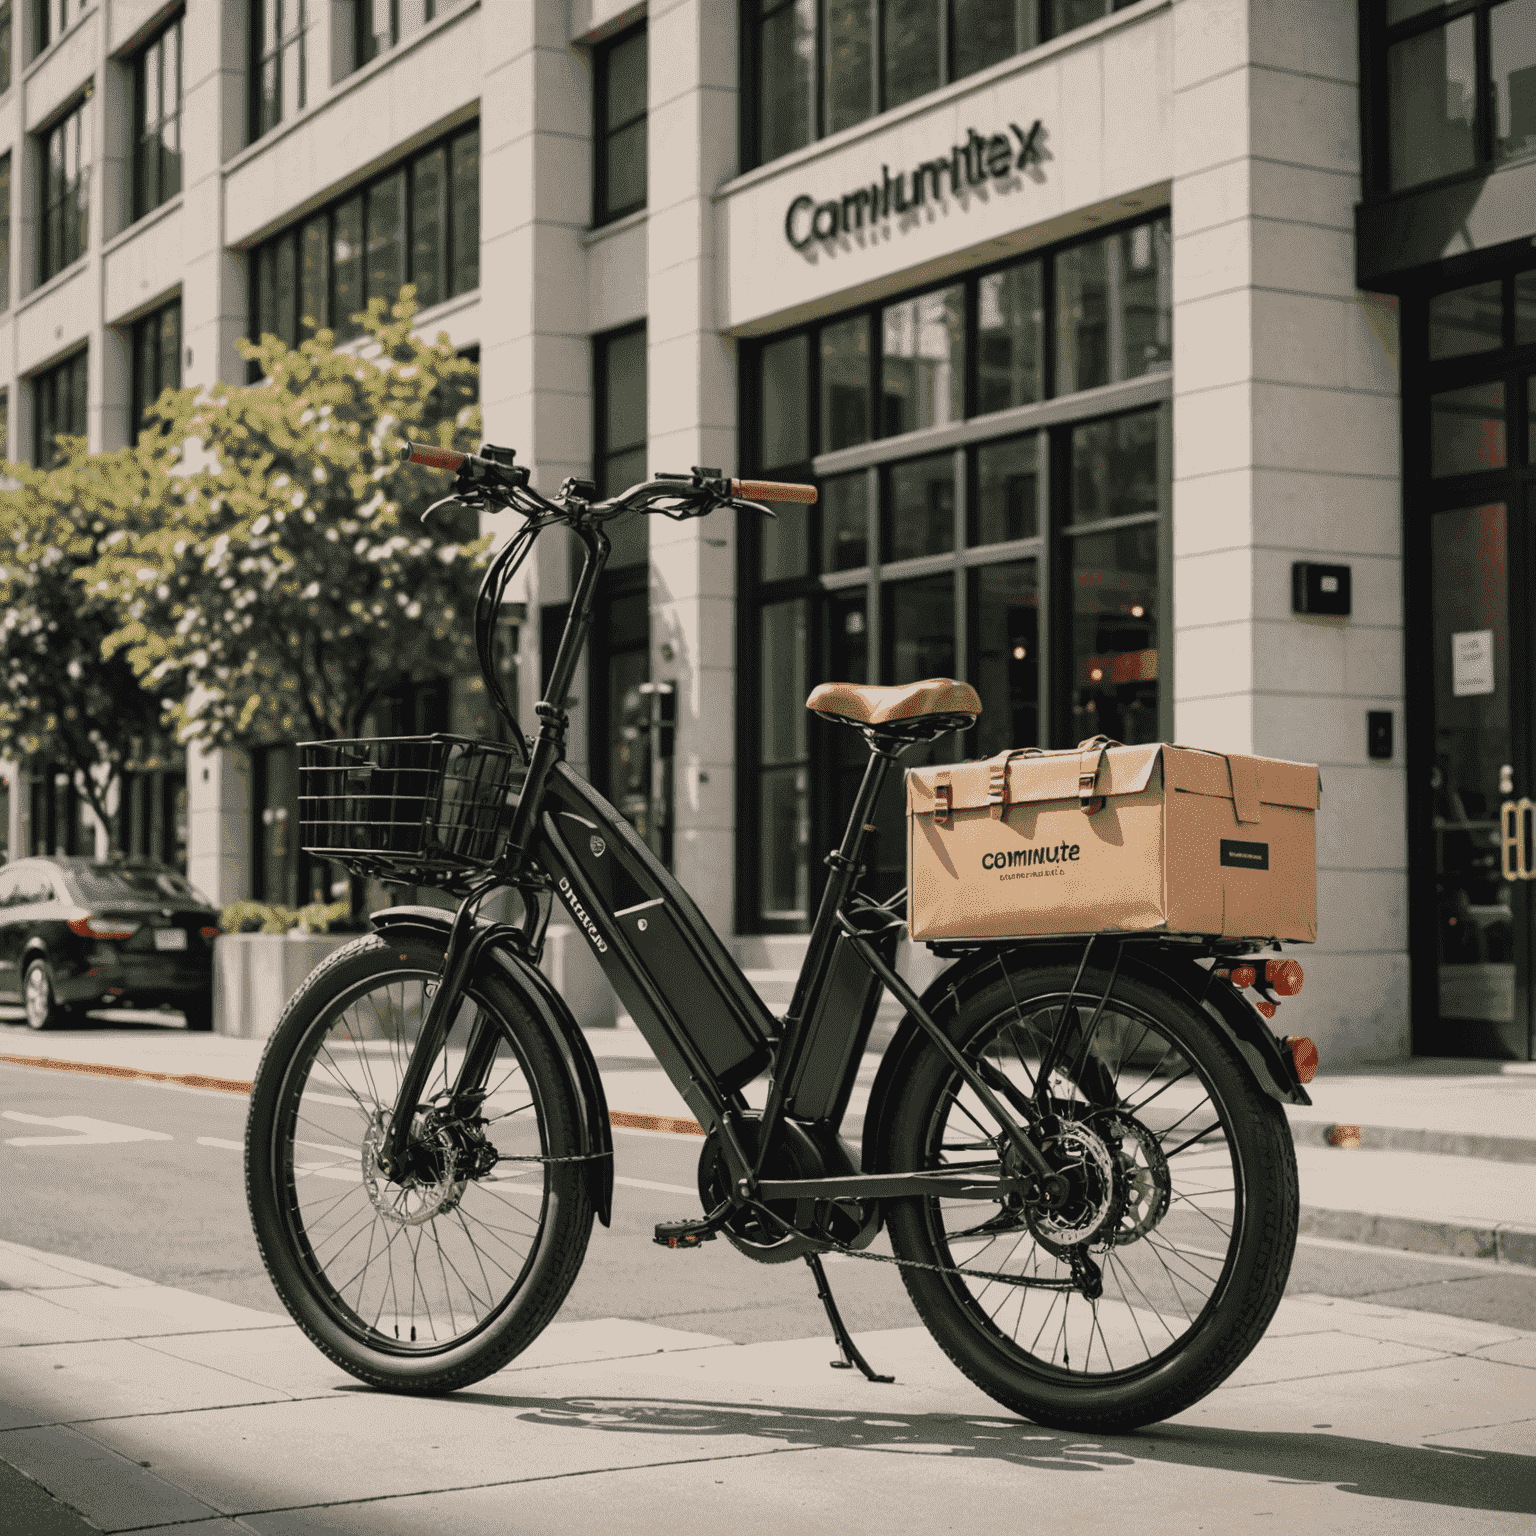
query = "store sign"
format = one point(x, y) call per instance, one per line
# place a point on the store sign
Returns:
point(966, 166)
point(1471, 663)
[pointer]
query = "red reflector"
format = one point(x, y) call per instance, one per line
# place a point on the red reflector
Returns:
point(1284, 976)
point(103, 927)
point(1243, 976)
point(1304, 1054)
point(209, 933)
point(1264, 1007)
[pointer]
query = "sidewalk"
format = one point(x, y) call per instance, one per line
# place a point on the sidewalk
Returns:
point(155, 1410)
point(1445, 1163)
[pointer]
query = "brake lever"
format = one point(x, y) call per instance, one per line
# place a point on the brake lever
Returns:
point(453, 500)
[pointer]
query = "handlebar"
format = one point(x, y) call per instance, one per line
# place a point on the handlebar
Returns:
point(432, 458)
point(774, 490)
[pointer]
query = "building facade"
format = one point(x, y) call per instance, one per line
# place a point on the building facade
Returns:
point(1165, 369)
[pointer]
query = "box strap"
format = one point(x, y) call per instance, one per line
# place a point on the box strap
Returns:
point(943, 798)
point(997, 777)
point(1092, 751)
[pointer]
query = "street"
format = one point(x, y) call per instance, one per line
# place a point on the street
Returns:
point(146, 1177)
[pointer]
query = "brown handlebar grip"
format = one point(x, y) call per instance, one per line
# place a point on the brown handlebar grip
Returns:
point(433, 458)
point(773, 490)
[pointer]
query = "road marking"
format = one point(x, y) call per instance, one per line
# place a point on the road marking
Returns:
point(86, 1131)
point(666, 1189)
point(219, 1141)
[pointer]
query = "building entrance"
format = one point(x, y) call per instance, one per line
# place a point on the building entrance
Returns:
point(1472, 542)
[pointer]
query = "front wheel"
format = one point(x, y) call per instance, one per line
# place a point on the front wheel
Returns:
point(432, 1282)
point(1176, 1233)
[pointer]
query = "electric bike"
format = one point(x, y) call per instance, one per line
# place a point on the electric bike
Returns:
point(1075, 1147)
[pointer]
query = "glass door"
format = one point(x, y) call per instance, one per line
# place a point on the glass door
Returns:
point(1482, 781)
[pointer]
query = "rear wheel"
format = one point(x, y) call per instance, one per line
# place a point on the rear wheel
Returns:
point(433, 1282)
point(1181, 1204)
point(42, 1007)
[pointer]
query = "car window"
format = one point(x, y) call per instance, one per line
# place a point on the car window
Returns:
point(129, 882)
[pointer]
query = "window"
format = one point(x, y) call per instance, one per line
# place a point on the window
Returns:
point(53, 18)
point(277, 62)
point(818, 66)
point(156, 359)
point(618, 460)
point(5, 232)
point(619, 135)
point(157, 121)
point(382, 23)
point(419, 223)
point(66, 178)
point(1454, 93)
point(6, 44)
point(1027, 558)
point(5, 423)
point(58, 408)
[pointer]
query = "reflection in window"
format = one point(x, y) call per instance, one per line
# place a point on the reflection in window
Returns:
point(1431, 96)
point(1113, 593)
point(58, 408)
point(845, 383)
point(278, 85)
point(429, 233)
point(1114, 467)
point(157, 121)
point(1468, 320)
point(1114, 301)
point(909, 50)
point(920, 629)
point(1466, 430)
point(65, 228)
point(1007, 481)
point(786, 77)
point(850, 63)
point(845, 522)
point(619, 140)
point(920, 509)
point(5, 232)
point(1512, 63)
point(386, 235)
point(156, 360)
point(785, 826)
point(986, 32)
point(1525, 308)
point(784, 542)
point(1004, 606)
point(1009, 321)
point(922, 362)
point(6, 43)
point(382, 23)
point(786, 437)
point(1530, 420)
point(619, 460)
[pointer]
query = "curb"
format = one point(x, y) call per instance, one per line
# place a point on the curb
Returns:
point(1506, 1243)
point(1401, 1138)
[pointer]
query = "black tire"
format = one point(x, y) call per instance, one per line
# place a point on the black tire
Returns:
point(1198, 1208)
point(427, 1288)
point(199, 1016)
point(42, 1007)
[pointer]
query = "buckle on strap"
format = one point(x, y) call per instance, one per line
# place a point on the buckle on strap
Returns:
point(943, 798)
point(1088, 798)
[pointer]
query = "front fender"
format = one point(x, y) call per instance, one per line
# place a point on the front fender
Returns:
point(1267, 1061)
point(565, 1034)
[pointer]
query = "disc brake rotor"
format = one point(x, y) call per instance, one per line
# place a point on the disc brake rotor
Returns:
point(1091, 1208)
point(415, 1200)
point(1145, 1182)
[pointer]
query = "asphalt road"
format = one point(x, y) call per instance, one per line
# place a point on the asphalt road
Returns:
point(147, 1178)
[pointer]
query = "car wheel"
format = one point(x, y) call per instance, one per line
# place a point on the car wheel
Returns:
point(37, 996)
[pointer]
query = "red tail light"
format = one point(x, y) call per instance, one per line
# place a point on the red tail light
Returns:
point(1284, 977)
point(1243, 976)
point(104, 927)
point(209, 933)
point(1304, 1054)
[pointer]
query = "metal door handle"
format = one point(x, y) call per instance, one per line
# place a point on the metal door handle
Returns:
point(1517, 839)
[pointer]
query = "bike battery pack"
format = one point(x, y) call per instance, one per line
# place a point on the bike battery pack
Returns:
point(690, 997)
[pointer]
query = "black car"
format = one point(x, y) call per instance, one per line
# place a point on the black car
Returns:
point(79, 933)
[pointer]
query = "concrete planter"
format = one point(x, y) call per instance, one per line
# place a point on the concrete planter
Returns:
point(254, 975)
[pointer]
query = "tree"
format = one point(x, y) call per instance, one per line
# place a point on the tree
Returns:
point(61, 697)
point(291, 582)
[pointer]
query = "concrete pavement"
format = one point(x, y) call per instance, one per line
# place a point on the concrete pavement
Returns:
point(153, 1410)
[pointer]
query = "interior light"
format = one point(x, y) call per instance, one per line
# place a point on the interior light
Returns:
point(1096, 675)
point(1137, 611)
point(1019, 653)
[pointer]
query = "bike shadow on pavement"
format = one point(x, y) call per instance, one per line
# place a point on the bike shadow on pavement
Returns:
point(1459, 1477)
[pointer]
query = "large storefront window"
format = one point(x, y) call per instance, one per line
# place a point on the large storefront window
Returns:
point(975, 525)
point(818, 66)
point(1460, 91)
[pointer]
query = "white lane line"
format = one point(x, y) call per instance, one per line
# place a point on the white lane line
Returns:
point(219, 1141)
point(85, 1131)
point(666, 1189)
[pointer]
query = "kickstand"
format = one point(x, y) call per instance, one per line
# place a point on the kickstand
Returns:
point(851, 1355)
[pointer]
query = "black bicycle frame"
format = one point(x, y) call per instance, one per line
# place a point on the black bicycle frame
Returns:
point(708, 1028)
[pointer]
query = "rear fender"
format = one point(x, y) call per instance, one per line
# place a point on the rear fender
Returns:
point(1268, 1062)
point(595, 1131)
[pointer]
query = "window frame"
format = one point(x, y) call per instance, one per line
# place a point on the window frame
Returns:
point(1376, 39)
point(256, 255)
point(43, 452)
point(7, 243)
point(72, 194)
point(360, 33)
point(257, 59)
point(143, 131)
point(751, 18)
point(1051, 420)
point(7, 44)
point(602, 135)
point(144, 335)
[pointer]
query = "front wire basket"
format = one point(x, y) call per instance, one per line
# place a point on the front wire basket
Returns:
point(410, 810)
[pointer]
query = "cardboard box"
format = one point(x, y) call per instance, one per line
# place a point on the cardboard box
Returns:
point(1106, 838)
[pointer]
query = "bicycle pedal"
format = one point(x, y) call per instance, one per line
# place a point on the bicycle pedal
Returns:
point(683, 1234)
